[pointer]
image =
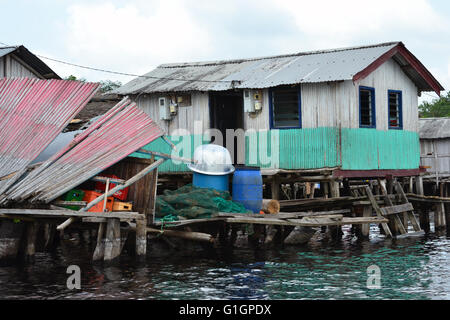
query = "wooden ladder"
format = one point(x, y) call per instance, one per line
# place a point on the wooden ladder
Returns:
point(393, 212)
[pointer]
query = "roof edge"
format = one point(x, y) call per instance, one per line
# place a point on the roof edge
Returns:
point(234, 61)
point(401, 49)
point(34, 62)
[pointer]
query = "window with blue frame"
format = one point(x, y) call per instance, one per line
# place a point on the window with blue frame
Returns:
point(285, 107)
point(367, 117)
point(395, 109)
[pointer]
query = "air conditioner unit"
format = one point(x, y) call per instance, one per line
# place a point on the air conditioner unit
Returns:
point(249, 105)
point(164, 113)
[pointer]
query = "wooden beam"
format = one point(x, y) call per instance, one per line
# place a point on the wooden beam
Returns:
point(344, 221)
point(384, 225)
point(71, 213)
point(404, 199)
point(397, 209)
point(397, 223)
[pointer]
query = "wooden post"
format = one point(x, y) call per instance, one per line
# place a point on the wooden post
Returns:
point(275, 187)
point(411, 185)
point(334, 189)
point(325, 189)
point(365, 228)
point(419, 185)
point(447, 205)
point(49, 236)
point(335, 231)
point(30, 250)
point(112, 241)
point(99, 251)
point(424, 218)
point(106, 199)
point(141, 237)
point(439, 216)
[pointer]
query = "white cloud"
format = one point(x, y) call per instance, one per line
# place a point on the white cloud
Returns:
point(133, 39)
point(139, 35)
point(329, 22)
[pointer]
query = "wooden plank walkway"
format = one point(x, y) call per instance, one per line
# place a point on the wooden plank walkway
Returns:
point(70, 213)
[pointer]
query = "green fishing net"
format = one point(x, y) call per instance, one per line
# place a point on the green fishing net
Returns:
point(193, 202)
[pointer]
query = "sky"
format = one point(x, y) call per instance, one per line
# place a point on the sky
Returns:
point(135, 36)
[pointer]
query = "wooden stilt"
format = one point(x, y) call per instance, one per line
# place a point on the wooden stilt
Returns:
point(99, 251)
point(325, 190)
point(439, 216)
point(30, 250)
point(334, 189)
point(335, 231)
point(141, 238)
point(419, 185)
point(424, 219)
point(275, 188)
point(112, 241)
point(365, 228)
point(49, 236)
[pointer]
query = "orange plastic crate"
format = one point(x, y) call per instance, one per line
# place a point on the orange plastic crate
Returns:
point(90, 195)
point(122, 206)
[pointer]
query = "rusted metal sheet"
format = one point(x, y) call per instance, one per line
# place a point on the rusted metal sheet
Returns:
point(32, 113)
point(118, 133)
point(434, 128)
point(305, 67)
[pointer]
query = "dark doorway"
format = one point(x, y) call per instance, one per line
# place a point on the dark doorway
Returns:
point(226, 110)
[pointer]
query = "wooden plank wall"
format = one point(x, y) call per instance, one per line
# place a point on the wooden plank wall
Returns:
point(141, 193)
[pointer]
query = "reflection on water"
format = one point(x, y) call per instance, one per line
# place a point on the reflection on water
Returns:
point(415, 268)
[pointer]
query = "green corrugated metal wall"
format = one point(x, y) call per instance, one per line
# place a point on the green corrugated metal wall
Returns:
point(314, 148)
point(366, 149)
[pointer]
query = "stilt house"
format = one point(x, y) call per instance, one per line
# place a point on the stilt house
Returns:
point(353, 110)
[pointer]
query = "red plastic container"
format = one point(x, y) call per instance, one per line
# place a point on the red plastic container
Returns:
point(90, 195)
point(121, 194)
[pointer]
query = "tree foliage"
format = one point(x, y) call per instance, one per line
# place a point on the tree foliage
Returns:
point(437, 108)
point(105, 85)
point(108, 85)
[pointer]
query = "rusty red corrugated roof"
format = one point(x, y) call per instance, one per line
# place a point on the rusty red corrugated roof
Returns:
point(32, 113)
point(118, 133)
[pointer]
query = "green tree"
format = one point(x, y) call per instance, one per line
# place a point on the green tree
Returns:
point(108, 85)
point(74, 78)
point(105, 85)
point(437, 108)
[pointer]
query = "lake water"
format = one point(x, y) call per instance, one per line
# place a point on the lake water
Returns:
point(414, 268)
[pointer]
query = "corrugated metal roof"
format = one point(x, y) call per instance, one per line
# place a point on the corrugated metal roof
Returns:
point(32, 113)
point(6, 50)
point(434, 128)
point(32, 60)
point(118, 133)
point(306, 67)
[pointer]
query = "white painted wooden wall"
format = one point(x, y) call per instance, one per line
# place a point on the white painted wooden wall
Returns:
point(331, 104)
point(12, 68)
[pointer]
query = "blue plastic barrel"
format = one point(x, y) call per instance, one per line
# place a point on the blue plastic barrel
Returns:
point(218, 182)
point(248, 187)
